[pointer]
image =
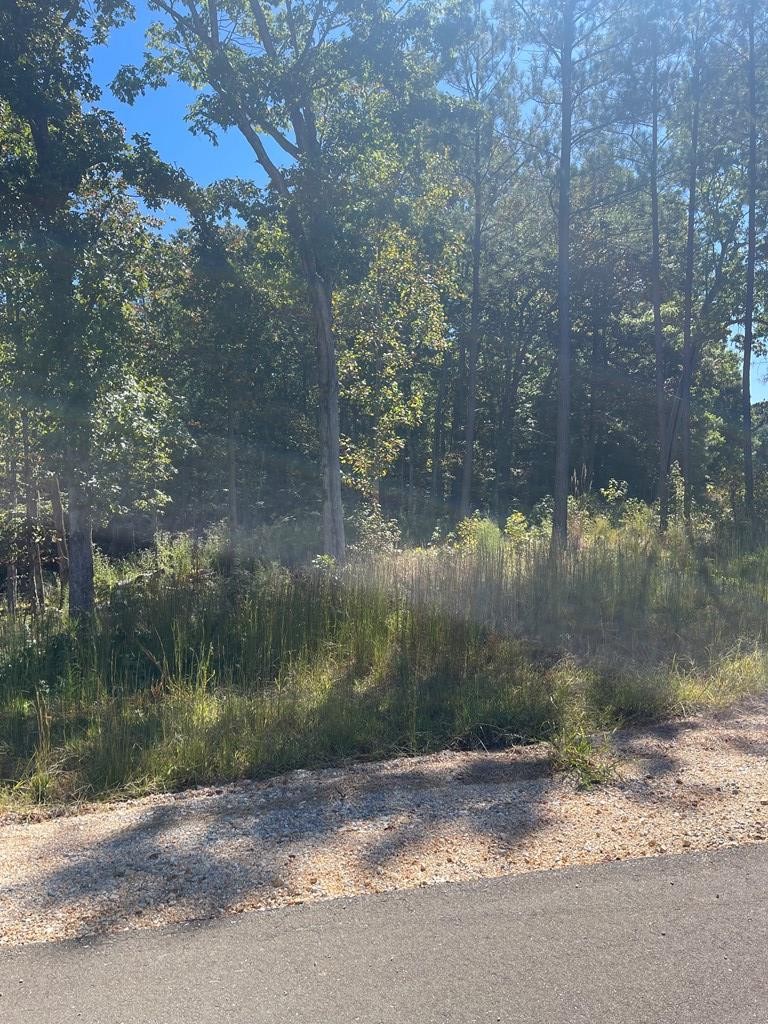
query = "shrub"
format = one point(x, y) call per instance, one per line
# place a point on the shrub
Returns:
point(478, 533)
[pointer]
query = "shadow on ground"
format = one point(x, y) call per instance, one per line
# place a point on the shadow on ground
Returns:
point(259, 844)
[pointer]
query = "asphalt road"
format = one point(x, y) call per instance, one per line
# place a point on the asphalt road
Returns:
point(675, 939)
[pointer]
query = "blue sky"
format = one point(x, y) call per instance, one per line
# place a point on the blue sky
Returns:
point(161, 115)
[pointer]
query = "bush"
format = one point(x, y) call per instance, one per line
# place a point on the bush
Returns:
point(479, 534)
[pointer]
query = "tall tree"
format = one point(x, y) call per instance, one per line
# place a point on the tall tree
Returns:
point(45, 84)
point(750, 67)
point(288, 76)
point(659, 42)
point(572, 75)
point(482, 75)
point(711, 209)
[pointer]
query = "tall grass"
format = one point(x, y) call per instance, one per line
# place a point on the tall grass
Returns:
point(205, 664)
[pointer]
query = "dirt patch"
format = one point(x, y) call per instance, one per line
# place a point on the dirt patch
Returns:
point(697, 784)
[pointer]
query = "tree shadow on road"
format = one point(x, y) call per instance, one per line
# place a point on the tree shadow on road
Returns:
point(262, 844)
point(308, 835)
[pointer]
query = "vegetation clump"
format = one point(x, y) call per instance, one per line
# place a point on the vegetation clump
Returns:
point(203, 663)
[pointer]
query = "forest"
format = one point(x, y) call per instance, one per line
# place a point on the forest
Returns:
point(432, 425)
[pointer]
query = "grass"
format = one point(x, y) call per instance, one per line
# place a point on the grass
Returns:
point(205, 665)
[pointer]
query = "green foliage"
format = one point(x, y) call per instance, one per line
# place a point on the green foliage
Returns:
point(479, 534)
point(516, 527)
point(373, 534)
point(391, 327)
point(577, 752)
point(175, 374)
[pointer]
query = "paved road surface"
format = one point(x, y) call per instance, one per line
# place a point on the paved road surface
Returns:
point(676, 940)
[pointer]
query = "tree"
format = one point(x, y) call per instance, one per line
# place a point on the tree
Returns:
point(712, 203)
point(655, 60)
point(44, 84)
point(291, 78)
point(461, 261)
point(751, 28)
point(392, 328)
point(572, 75)
point(483, 74)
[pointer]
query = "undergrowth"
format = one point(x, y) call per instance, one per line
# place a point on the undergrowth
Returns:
point(204, 663)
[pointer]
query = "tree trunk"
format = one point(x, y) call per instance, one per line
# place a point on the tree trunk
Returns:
point(458, 410)
point(501, 458)
point(685, 459)
point(304, 234)
point(60, 526)
point(473, 346)
point(334, 543)
point(562, 441)
point(749, 305)
point(437, 435)
point(81, 591)
point(11, 585)
point(689, 355)
point(680, 414)
point(234, 521)
point(658, 329)
point(32, 507)
point(11, 578)
point(592, 464)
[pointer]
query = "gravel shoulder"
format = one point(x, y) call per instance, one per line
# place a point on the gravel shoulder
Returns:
point(693, 784)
